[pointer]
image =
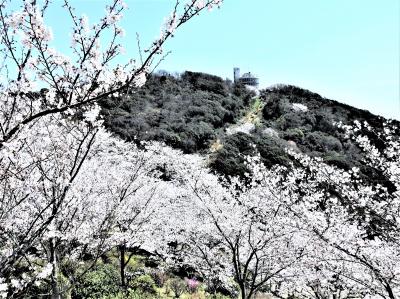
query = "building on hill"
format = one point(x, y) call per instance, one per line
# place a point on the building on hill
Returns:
point(246, 78)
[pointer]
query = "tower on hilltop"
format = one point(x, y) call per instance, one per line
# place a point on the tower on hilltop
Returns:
point(236, 74)
point(246, 78)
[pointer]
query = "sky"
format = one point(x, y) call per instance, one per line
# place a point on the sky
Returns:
point(346, 50)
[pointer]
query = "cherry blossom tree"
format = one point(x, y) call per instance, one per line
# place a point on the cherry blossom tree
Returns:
point(79, 192)
point(230, 231)
point(357, 221)
point(121, 203)
point(47, 136)
point(70, 82)
point(336, 233)
point(38, 170)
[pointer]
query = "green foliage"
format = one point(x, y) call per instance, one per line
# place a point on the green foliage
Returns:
point(218, 296)
point(257, 105)
point(159, 277)
point(319, 135)
point(130, 294)
point(272, 152)
point(144, 283)
point(253, 115)
point(230, 159)
point(206, 82)
point(185, 113)
point(322, 142)
point(177, 286)
point(102, 280)
point(272, 108)
point(339, 160)
point(295, 134)
point(191, 112)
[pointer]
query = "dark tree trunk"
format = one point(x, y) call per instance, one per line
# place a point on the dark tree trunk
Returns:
point(55, 292)
point(390, 291)
point(122, 264)
point(242, 291)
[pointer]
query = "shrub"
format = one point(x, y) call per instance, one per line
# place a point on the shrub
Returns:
point(325, 121)
point(144, 283)
point(229, 159)
point(322, 142)
point(338, 160)
point(299, 119)
point(130, 294)
point(295, 134)
point(103, 280)
point(218, 296)
point(271, 108)
point(159, 277)
point(177, 286)
point(281, 123)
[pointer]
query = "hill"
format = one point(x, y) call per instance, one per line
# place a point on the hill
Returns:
point(202, 113)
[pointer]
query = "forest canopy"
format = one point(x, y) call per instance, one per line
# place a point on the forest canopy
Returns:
point(194, 111)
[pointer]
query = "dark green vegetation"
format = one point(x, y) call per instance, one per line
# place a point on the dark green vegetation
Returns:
point(192, 113)
point(186, 113)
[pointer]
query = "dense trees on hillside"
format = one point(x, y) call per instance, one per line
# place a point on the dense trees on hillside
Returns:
point(186, 113)
point(194, 111)
point(316, 131)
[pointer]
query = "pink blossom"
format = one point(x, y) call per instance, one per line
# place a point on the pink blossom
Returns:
point(200, 4)
point(192, 284)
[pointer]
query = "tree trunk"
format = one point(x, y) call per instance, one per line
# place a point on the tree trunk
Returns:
point(390, 291)
point(122, 264)
point(242, 291)
point(55, 292)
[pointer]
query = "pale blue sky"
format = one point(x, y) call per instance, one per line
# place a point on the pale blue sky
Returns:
point(347, 50)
